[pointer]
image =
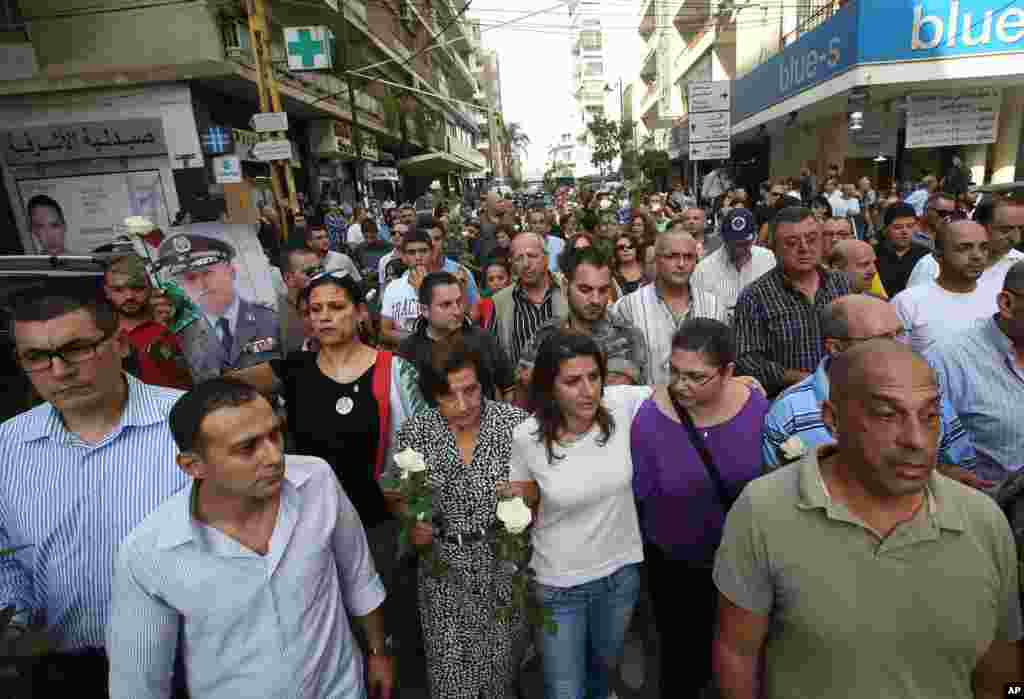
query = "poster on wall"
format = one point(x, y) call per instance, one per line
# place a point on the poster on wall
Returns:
point(225, 274)
point(75, 215)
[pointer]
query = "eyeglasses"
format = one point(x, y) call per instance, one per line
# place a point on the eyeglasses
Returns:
point(329, 274)
point(689, 379)
point(73, 353)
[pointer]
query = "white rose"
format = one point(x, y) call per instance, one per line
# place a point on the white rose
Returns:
point(410, 461)
point(514, 514)
point(138, 225)
point(793, 448)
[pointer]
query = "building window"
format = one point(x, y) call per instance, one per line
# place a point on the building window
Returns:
point(596, 68)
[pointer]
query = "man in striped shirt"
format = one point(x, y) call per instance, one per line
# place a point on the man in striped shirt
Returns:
point(77, 473)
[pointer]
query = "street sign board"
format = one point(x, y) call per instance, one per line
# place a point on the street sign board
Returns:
point(710, 126)
point(270, 121)
point(710, 150)
point(309, 48)
point(707, 96)
point(273, 150)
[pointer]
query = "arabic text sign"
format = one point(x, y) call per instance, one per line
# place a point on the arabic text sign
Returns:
point(711, 150)
point(227, 169)
point(83, 141)
point(270, 121)
point(961, 119)
point(710, 126)
point(273, 150)
point(709, 96)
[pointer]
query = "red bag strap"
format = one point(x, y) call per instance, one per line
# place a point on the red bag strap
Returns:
point(382, 392)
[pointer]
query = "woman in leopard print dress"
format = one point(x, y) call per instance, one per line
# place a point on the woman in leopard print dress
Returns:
point(465, 440)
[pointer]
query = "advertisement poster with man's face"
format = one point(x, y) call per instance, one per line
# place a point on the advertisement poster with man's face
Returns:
point(225, 274)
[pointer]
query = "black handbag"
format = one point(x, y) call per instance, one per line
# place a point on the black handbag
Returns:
point(705, 454)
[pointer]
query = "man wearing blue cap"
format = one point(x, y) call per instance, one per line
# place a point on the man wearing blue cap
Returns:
point(737, 263)
point(240, 336)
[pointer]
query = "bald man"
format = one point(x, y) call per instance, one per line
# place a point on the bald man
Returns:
point(954, 300)
point(895, 580)
point(857, 260)
point(490, 217)
point(797, 413)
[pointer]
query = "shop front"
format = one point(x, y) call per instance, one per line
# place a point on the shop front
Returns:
point(944, 78)
point(88, 160)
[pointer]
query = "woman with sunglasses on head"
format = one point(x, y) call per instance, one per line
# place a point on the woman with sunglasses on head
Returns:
point(695, 444)
point(586, 538)
point(343, 401)
point(627, 265)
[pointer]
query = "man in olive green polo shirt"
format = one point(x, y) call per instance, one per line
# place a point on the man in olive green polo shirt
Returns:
point(859, 571)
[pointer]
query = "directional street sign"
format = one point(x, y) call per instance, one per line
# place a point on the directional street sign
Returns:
point(710, 126)
point(273, 150)
point(712, 150)
point(709, 96)
point(271, 121)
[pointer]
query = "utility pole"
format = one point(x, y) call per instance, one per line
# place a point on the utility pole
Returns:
point(492, 138)
point(270, 101)
point(357, 137)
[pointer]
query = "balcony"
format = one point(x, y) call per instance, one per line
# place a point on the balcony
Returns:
point(649, 67)
point(648, 18)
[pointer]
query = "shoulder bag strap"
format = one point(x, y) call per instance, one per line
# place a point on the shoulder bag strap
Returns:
point(704, 452)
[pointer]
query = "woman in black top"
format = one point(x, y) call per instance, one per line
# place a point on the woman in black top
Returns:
point(333, 411)
point(629, 268)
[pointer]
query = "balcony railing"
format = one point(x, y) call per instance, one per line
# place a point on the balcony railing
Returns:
point(820, 12)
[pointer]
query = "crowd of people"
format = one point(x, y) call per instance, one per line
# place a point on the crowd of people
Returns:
point(794, 416)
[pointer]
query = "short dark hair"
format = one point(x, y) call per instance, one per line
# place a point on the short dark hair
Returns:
point(42, 306)
point(560, 346)
point(417, 236)
point(341, 280)
point(431, 282)
point(789, 215)
point(835, 321)
point(289, 253)
point(446, 357)
point(901, 210)
point(187, 415)
point(497, 261)
point(583, 256)
point(822, 201)
point(708, 337)
point(369, 225)
point(44, 201)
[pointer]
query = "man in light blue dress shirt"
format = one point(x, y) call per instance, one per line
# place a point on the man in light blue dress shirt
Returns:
point(77, 473)
point(256, 567)
point(797, 412)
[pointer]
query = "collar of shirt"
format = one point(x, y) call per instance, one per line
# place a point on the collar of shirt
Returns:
point(819, 379)
point(995, 336)
point(139, 410)
point(787, 283)
point(812, 494)
point(520, 293)
point(185, 528)
point(231, 313)
point(143, 326)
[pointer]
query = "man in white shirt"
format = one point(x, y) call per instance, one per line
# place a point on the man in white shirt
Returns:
point(835, 197)
point(1004, 221)
point(920, 196)
point(400, 306)
point(355, 236)
point(738, 262)
point(318, 241)
point(954, 300)
point(256, 567)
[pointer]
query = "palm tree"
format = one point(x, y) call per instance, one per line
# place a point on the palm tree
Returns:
point(517, 138)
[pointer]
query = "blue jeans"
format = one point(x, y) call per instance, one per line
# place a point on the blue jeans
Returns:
point(592, 620)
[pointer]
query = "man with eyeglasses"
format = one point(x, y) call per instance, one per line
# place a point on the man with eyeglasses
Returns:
point(298, 264)
point(778, 317)
point(659, 308)
point(845, 323)
point(77, 473)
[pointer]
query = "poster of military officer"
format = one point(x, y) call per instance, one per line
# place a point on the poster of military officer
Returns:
point(223, 271)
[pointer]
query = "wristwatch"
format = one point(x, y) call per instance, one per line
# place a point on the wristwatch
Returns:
point(384, 650)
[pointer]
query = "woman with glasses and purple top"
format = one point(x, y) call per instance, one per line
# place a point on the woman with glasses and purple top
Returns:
point(586, 537)
point(695, 444)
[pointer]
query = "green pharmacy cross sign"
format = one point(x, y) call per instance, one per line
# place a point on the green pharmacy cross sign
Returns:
point(309, 48)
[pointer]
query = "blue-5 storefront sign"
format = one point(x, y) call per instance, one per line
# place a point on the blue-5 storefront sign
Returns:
point(876, 32)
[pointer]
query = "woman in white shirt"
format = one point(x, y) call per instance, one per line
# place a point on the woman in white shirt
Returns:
point(586, 539)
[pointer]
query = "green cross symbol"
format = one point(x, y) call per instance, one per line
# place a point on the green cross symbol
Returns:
point(306, 47)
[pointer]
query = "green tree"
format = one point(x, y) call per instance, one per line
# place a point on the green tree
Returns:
point(655, 164)
point(606, 143)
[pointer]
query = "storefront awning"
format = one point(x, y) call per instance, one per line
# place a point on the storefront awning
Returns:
point(432, 164)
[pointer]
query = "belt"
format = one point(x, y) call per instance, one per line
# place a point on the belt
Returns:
point(466, 537)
